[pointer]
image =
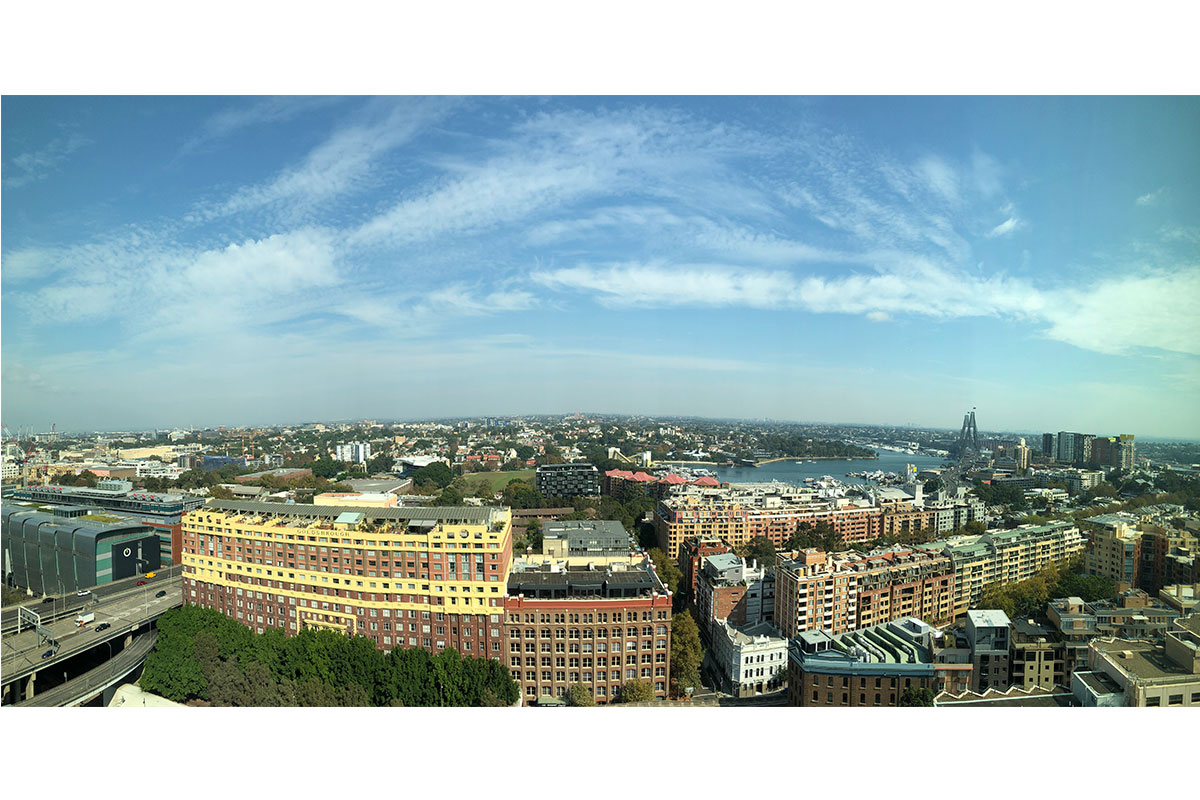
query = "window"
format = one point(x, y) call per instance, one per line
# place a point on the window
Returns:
point(1175, 700)
point(1153, 701)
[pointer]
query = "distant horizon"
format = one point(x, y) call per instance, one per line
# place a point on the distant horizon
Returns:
point(757, 257)
point(466, 417)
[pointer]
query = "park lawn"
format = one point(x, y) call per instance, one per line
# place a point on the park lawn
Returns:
point(498, 480)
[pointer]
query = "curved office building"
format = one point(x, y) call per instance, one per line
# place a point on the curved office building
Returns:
point(73, 547)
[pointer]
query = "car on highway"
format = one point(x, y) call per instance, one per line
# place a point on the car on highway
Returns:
point(48, 653)
point(48, 599)
point(151, 574)
point(141, 583)
point(163, 593)
point(83, 592)
point(103, 626)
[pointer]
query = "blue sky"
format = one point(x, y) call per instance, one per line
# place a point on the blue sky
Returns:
point(209, 260)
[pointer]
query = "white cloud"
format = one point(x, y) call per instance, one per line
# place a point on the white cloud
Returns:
point(1148, 310)
point(1004, 228)
point(1151, 198)
point(940, 177)
point(1151, 309)
point(36, 165)
point(148, 287)
point(341, 164)
point(485, 198)
point(267, 111)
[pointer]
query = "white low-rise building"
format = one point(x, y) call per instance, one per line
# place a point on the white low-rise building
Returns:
point(750, 660)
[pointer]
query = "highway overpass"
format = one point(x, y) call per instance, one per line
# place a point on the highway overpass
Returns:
point(130, 611)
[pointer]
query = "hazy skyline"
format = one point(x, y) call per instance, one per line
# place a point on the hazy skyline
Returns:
point(209, 261)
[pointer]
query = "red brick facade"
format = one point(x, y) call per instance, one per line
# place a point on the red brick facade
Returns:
point(599, 642)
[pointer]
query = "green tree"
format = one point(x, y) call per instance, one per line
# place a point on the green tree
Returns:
point(533, 535)
point(760, 549)
point(687, 654)
point(433, 476)
point(580, 695)
point(326, 468)
point(665, 568)
point(635, 691)
point(975, 528)
point(914, 696)
point(449, 497)
point(381, 463)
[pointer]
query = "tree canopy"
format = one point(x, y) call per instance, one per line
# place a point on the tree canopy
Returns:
point(636, 691)
point(914, 696)
point(667, 572)
point(580, 695)
point(1028, 598)
point(687, 654)
point(760, 549)
point(202, 654)
point(435, 475)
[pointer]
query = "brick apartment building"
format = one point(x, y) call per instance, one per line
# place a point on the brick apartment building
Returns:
point(691, 559)
point(845, 591)
point(733, 590)
point(403, 577)
point(597, 627)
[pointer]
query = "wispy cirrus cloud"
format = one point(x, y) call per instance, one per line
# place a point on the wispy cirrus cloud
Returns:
point(36, 165)
point(1151, 198)
point(252, 113)
point(340, 165)
point(1004, 228)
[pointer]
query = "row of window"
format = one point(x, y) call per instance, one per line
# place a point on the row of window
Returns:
point(601, 633)
point(586, 619)
point(614, 675)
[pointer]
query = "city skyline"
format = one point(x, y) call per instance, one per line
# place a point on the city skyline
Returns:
point(868, 259)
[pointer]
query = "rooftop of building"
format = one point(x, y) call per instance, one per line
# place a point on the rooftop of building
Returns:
point(47, 492)
point(469, 515)
point(724, 561)
point(1143, 660)
point(1098, 682)
point(90, 525)
point(760, 633)
point(378, 486)
point(988, 618)
point(1189, 623)
point(894, 644)
point(366, 497)
point(1028, 629)
point(559, 581)
point(585, 528)
point(277, 472)
point(1014, 697)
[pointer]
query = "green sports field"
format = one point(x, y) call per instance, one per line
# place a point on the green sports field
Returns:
point(498, 480)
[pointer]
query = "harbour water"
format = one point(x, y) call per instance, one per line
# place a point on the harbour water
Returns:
point(789, 471)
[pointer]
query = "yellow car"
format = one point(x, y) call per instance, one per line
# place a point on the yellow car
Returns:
point(151, 574)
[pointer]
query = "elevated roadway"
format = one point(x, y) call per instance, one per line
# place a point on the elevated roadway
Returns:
point(96, 681)
point(130, 612)
point(69, 605)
